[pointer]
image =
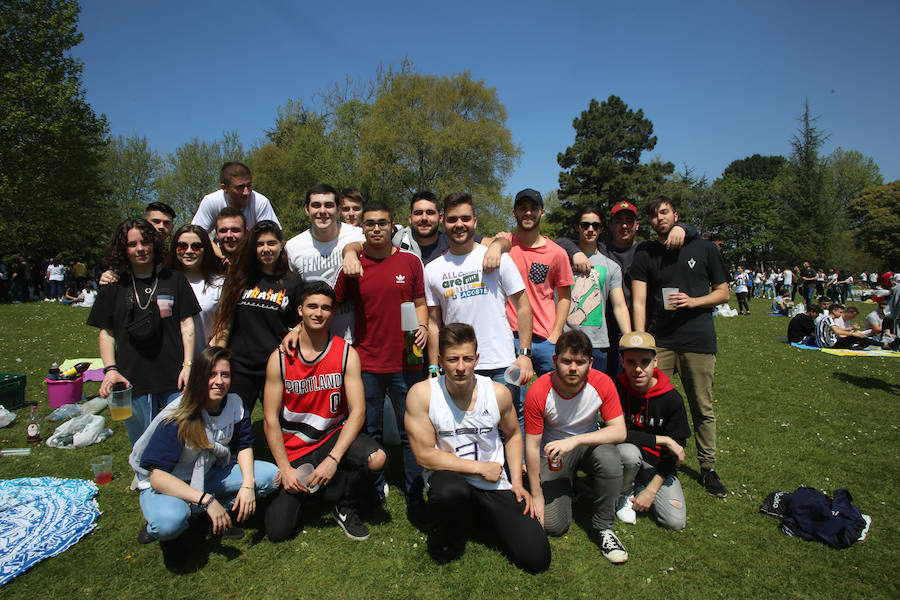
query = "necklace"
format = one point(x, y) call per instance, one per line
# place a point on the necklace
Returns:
point(148, 290)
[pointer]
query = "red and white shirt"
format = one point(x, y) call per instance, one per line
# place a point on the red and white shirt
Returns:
point(315, 403)
point(556, 417)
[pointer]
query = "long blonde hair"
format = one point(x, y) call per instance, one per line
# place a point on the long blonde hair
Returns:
point(188, 415)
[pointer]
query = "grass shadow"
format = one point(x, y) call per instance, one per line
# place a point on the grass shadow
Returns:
point(869, 383)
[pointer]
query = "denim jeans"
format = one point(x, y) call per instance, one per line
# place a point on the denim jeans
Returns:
point(167, 516)
point(542, 353)
point(143, 409)
point(396, 385)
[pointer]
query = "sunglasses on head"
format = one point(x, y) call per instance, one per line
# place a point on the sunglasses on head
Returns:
point(585, 225)
point(183, 246)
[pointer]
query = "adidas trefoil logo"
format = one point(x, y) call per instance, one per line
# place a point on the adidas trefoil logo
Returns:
point(401, 278)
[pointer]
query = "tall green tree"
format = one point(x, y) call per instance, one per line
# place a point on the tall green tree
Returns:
point(192, 171)
point(129, 172)
point(848, 173)
point(757, 167)
point(604, 164)
point(443, 133)
point(876, 212)
point(51, 141)
point(807, 212)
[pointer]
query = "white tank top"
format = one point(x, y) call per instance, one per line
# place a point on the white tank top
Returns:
point(470, 435)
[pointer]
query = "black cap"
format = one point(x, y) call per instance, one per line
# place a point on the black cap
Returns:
point(530, 194)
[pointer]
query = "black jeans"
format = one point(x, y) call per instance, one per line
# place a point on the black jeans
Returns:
point(351, 482)
point(522, 537)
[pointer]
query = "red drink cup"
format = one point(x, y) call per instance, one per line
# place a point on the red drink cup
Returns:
point(555, 464)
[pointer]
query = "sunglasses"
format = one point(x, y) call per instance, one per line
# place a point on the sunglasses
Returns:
point(596, 225)
point(183, 246)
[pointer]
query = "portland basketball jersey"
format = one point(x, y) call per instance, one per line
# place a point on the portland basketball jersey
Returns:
point(314, 402)
point(470, 435)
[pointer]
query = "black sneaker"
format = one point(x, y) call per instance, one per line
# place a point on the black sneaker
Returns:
point(445, 544)
point(350, 523)
point(420, 515)
point(233, 533)
point(710, 480)
point(144, 536)
point(610, 546)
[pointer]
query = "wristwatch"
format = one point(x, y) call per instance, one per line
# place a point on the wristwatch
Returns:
point(524, 352)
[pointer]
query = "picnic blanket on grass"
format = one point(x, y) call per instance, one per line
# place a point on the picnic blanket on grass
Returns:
point(873, 352)
point(41, 517)
point(804, 347)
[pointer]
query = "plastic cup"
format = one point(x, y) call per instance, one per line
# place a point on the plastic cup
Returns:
point(408, 319)
point(120, 402)
point(303, 474)
point(102, 467)
point(665, 296)
point(513, 374)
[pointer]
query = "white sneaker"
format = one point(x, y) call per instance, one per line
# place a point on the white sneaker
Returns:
point(611, 548)
point(625, 511)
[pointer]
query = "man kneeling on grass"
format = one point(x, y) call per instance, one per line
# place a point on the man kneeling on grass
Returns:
point(657, 432)
point(314, 409)
point(454, 423)
point(562, 436)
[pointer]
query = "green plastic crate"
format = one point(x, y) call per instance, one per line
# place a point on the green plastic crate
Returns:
point(12, 391)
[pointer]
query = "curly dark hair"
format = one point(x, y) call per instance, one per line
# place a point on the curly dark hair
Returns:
point(210, 265)
point(244, 270)
point(116, 254)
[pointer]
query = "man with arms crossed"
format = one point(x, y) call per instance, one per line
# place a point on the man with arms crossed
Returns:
point(454, 423)
point(657, 432)
point(459, 290)
point(684, 330)
point(314, 413)
point(562, 437)
point(236, 182)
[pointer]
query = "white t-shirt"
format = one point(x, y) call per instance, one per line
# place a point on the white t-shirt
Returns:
point(258, 209)
point(322, 261)
point(788, 277)
point(458, 285)
point(88, 297)
point(56, 272)
point(208, 299)
point(471, 435)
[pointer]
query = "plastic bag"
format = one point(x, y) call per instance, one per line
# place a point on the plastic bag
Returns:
point(80, 432)
point(6, 417)
point(66, 411)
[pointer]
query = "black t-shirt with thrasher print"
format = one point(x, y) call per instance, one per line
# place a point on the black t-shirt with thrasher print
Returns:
point(693, 269)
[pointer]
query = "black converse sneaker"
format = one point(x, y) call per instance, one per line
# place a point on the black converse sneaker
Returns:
point(351, 523)
point(611, 548)
point(710, 480)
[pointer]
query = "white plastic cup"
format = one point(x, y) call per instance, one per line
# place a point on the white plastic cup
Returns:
point(513, 374)
point(303, 473)
point(665, 297)
point(408, 319)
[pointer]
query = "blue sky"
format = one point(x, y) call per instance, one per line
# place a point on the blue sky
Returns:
point(720, 80)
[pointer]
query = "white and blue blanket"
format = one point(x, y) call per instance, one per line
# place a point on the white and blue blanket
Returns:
point(41, 517)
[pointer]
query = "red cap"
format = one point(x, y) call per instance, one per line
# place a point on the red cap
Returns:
point(623, 205)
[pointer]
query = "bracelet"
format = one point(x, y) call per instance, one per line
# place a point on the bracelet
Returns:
point(200, 501)
point(425, 326)
point(110, 368)
point(187, 363)
point(204, 506)
point(336, 461)
point(248, 487)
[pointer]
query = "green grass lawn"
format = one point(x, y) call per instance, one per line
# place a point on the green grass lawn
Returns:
point(786, 418)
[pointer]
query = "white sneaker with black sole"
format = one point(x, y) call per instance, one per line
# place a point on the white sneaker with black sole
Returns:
point(611, 548)
point(350, 523)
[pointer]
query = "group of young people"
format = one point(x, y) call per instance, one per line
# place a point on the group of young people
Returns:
point(829, 324)
point(313, 327)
